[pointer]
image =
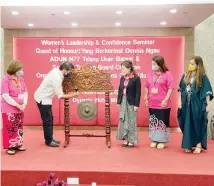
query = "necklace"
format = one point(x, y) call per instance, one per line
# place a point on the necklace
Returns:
point(17, 84)
point(156, 79)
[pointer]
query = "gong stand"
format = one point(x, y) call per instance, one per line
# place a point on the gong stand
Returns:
point(88, 79)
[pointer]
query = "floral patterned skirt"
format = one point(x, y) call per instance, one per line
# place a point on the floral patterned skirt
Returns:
point(127, 128)
point(159, 127)
point(12, 129)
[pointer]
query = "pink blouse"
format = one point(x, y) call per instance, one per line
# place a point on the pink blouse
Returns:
point(159, 83)
point(10, 86)
point(126, 82)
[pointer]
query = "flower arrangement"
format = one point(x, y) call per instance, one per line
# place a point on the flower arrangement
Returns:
point(51, 182)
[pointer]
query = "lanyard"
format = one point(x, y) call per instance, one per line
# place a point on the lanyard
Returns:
point(126, 82)
point(17, 84)
point(156, 79)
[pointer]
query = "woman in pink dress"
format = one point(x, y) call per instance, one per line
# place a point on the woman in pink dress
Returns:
point(159, 87)
point(13, 102)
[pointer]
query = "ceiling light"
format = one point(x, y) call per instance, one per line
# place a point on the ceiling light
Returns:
point(173, 11)
point(74, 24)
point(119, 12)
point(67, 13)
point(15, 13)
point(30, 25)
point(117, 24)
point(163, 23)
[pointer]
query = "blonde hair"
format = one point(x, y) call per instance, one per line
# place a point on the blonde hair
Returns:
point(199, 72)
point(14, 66)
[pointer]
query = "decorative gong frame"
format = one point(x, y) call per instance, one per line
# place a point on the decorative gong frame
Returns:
point(88, 79)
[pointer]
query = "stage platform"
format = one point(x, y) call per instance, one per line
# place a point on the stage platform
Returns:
point(91, 160)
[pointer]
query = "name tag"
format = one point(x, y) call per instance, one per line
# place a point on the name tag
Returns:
point(21, 96)
point(155, 91)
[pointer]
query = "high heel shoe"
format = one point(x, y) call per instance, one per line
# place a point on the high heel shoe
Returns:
point(130, 145)
point(125, 144)
point(160, 146)
point(197, 150)
point(187, 150)
point(153, 144)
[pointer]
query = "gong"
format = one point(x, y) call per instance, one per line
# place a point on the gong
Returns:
point(87, 110)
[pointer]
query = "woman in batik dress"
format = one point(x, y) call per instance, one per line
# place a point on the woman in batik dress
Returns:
point(128, 101)
point(159, 87)
point(13, 102)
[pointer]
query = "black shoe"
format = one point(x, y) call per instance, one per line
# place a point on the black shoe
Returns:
point(125, 144)
point(56, 141)
point(52, 144)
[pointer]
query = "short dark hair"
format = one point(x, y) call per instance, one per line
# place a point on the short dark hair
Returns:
point(14, 66)
point(67, 66)
point(160, 62)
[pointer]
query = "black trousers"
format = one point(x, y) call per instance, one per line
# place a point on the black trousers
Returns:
point(47, 120)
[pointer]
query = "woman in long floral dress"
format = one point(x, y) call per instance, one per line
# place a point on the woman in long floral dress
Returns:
point(128, 101)
point(13, 103)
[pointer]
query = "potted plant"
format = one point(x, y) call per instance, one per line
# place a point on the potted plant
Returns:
point(51, 181)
